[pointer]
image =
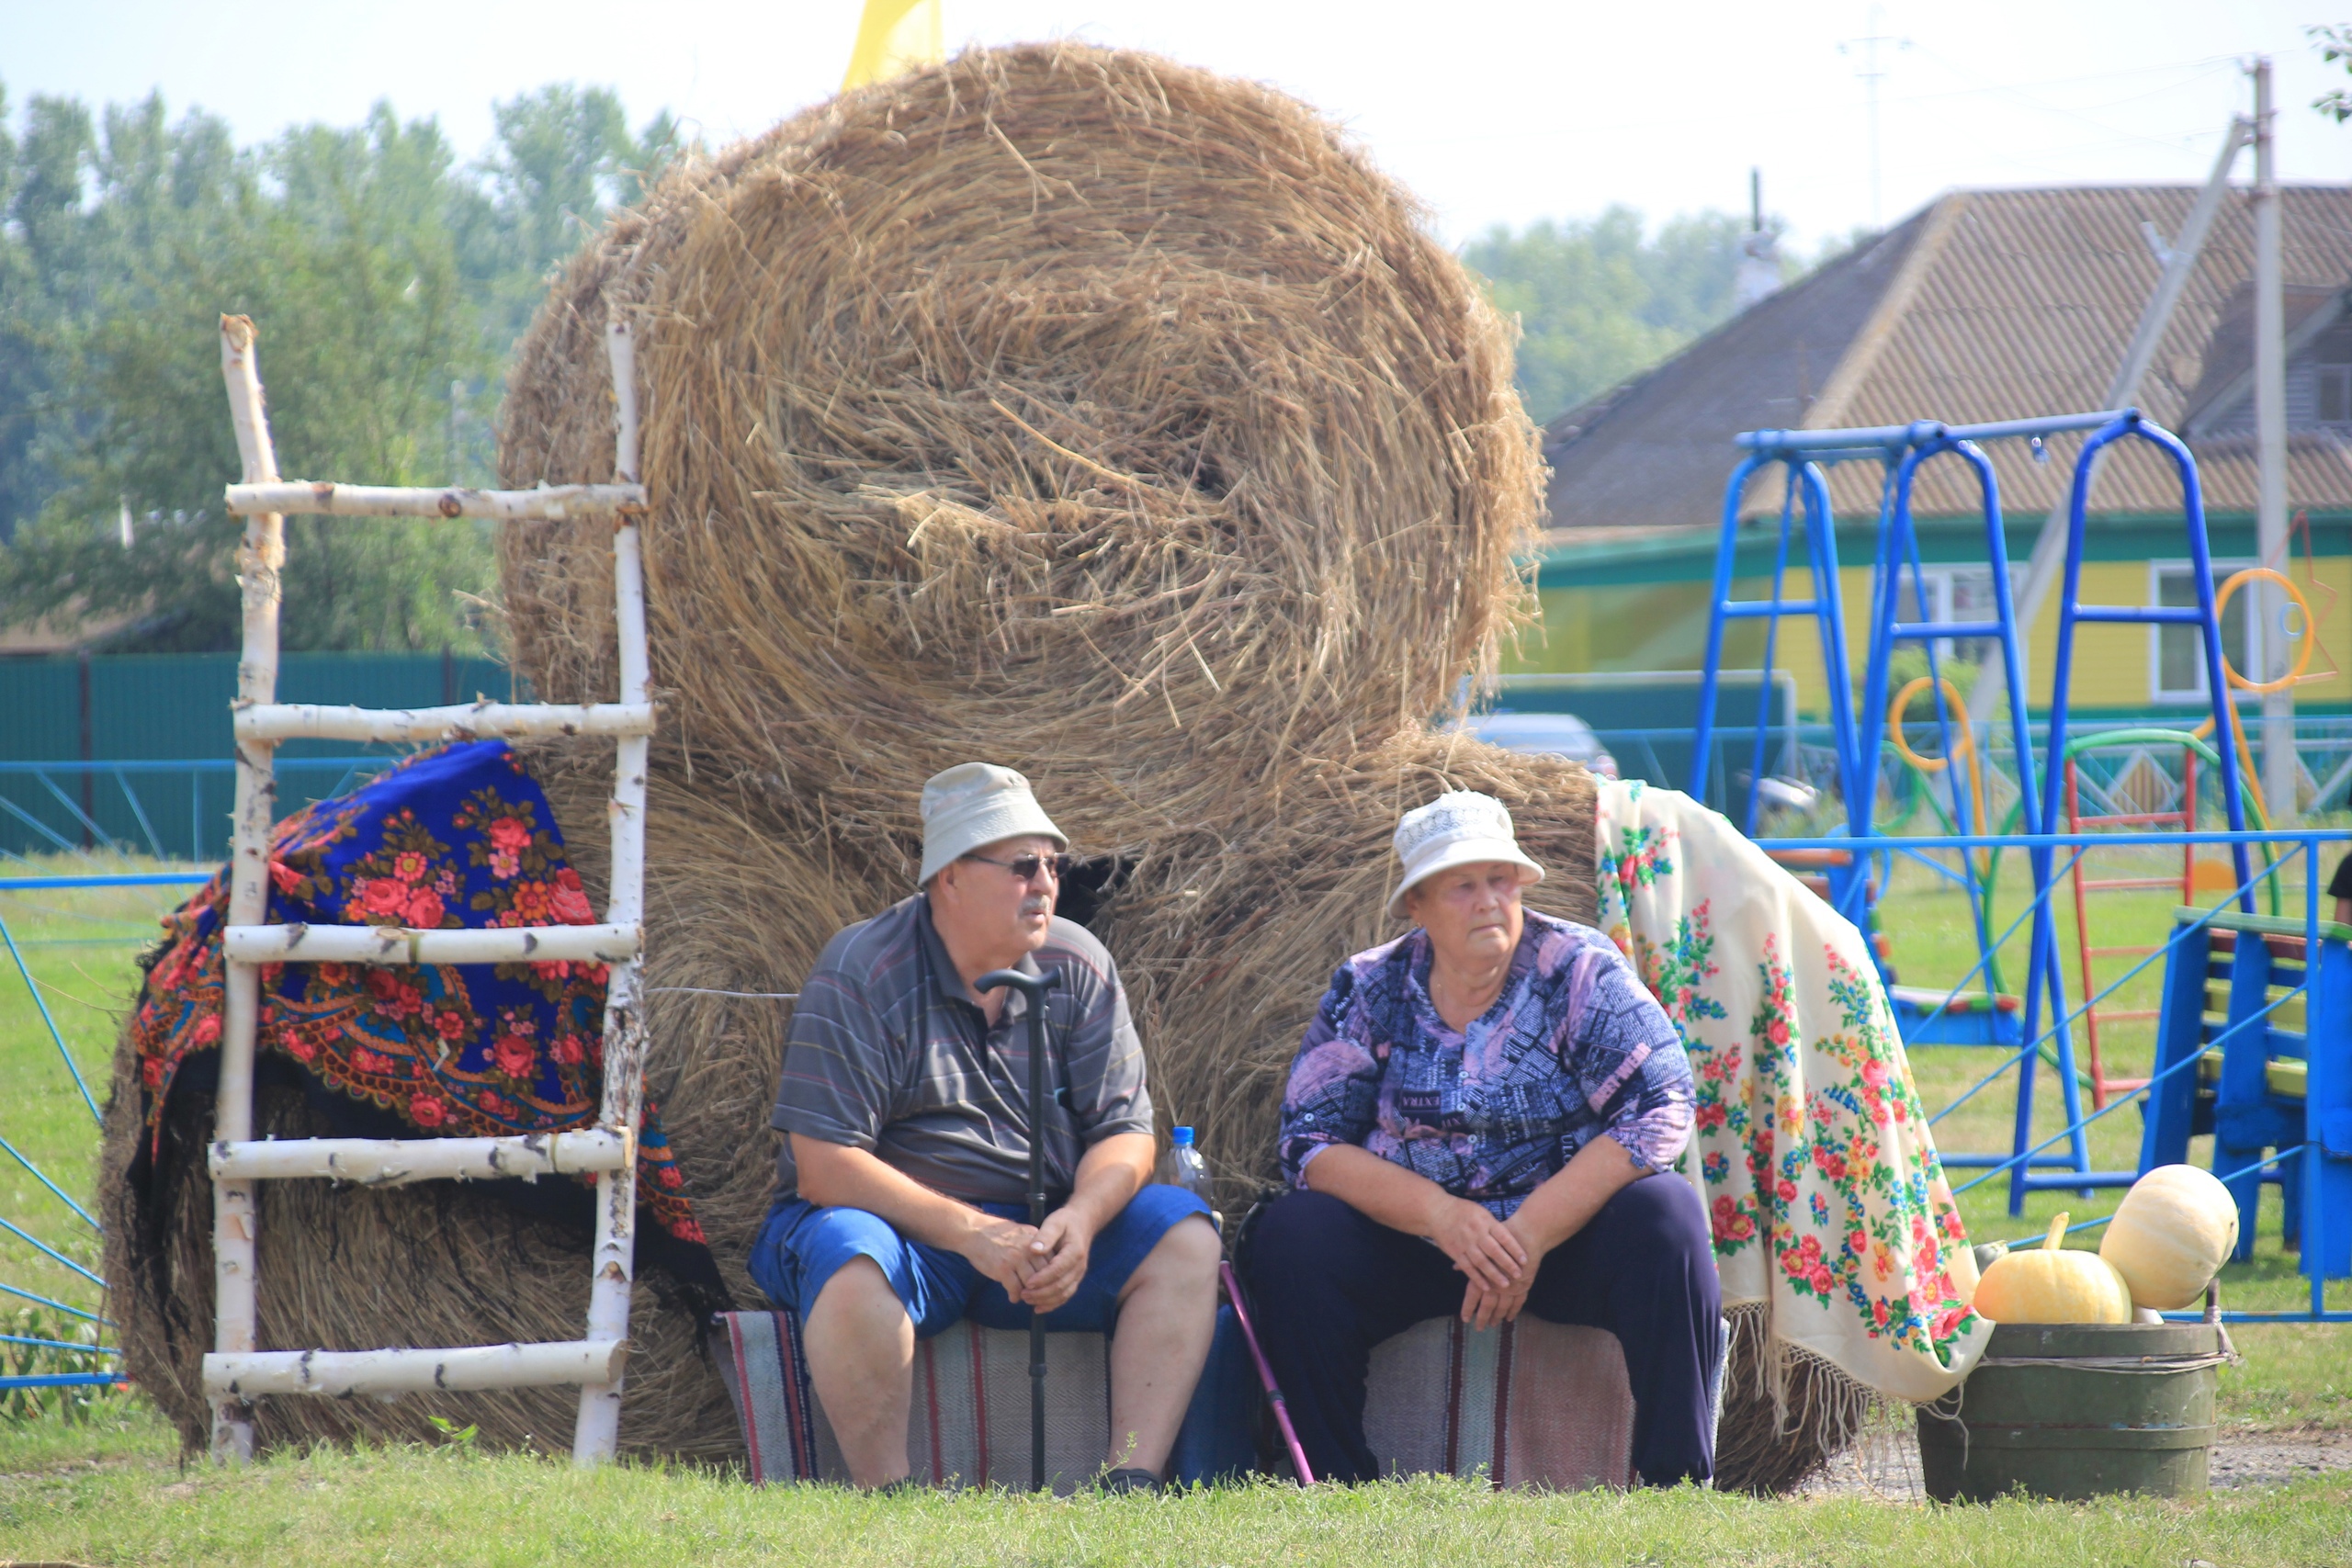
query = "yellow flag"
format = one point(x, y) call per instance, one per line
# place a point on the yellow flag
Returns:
point(895, 36)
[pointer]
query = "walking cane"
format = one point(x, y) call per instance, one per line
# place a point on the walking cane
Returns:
point(1265, 1374)
point(1035, 987)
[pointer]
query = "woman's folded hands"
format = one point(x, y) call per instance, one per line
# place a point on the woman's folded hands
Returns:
point(1494, 1256)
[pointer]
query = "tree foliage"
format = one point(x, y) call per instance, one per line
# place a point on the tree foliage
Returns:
point(388, 281)
point(2334, 41)
point(1599, 299)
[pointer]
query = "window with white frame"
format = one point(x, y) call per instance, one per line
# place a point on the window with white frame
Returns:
point(1953, 593)
point(2177, 654)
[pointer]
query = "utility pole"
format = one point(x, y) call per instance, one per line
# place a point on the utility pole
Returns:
point(2278, 762)
point(1870, 74)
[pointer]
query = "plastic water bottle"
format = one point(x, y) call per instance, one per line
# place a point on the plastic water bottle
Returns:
point(1185, 1167)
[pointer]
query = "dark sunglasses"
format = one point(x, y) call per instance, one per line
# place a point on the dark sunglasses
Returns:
point(1026, 867)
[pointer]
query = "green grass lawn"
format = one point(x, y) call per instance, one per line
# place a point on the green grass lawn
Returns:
point(453, 1508)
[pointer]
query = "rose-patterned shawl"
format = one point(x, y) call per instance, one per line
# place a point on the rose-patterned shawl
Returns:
point(459, 836)
point(1810, 1150)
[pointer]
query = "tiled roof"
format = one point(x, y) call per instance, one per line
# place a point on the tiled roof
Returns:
point(1985, 305)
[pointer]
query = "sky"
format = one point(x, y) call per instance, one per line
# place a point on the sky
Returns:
point(1505, 113)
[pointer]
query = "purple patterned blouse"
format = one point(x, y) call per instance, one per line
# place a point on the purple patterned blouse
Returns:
point(1574, 1048)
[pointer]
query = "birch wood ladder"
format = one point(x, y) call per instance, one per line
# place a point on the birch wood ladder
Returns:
point(237, 1371)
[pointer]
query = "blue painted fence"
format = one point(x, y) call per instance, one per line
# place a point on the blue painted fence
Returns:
point(135, 750)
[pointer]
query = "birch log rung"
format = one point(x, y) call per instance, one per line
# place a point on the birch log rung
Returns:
point(318, 721)
point(243, 1374)
point(392, 1162)
point(399, 944)
point(554, 503)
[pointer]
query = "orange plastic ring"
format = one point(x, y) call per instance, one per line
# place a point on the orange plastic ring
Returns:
point(2264, 573)
point(1902, 704)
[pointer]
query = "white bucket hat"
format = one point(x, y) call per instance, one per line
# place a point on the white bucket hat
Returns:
point(973, 804)
point(1461, 826)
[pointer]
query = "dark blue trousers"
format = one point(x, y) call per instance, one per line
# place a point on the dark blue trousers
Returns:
point(1328, 1283)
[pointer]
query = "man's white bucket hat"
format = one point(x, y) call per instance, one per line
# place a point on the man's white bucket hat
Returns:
point(973, 804)
point(1461, 826)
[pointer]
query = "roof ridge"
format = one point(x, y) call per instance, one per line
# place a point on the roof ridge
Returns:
point(1872, 341)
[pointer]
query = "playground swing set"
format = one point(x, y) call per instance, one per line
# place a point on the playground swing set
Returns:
point(2277, 1100)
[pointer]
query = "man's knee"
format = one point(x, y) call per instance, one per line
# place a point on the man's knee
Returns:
point(859, 1296)
point(1184, 1258)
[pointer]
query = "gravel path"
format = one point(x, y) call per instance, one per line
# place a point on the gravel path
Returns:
point(1887, 1464)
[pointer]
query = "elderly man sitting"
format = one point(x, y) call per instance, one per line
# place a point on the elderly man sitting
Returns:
point(904, 1167)
point(1477, 1121)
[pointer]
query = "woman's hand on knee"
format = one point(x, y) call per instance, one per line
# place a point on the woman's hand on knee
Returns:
point(1481, 1246)
point(1483, 1308)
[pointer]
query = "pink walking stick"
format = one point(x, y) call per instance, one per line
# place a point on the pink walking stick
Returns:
point(1265, 1374)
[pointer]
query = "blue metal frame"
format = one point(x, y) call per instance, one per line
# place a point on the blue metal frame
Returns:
point(2042, 955)
point(1805, 479)
point(1858, 741)
point(1899, 545)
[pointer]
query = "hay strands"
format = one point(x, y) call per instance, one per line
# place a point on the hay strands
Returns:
point(237, 1371)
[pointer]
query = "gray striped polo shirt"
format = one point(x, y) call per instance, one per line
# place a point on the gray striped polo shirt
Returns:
point(889, 1053)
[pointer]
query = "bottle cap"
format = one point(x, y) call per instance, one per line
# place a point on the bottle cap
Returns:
point(1181, 1137)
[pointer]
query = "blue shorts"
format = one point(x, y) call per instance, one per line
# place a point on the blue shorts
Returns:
point(801, 1246)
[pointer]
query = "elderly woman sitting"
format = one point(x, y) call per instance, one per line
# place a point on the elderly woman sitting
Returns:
point(1477, 1121)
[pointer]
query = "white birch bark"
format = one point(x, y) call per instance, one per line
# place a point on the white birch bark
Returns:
point(467, 721)
point(235, 1219)
point(550, 1364)
point(394, 1162)
point(399, 944)
point(597, 1433)
point(307, 498)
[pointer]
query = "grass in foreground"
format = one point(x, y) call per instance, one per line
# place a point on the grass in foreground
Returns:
point(454, 1507)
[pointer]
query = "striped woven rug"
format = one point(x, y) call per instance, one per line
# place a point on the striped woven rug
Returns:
point(1532, 1404)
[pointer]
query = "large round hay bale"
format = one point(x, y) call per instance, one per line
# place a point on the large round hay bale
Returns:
point(1054, 403)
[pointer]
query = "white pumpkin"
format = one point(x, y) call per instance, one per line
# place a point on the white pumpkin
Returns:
point(2171, 1234)
point(2050, 1284)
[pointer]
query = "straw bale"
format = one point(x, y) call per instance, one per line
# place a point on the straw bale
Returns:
point(1055, 402)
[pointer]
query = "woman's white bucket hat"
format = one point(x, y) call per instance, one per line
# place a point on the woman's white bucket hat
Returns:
point(1461, 826)
point(973, 804)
